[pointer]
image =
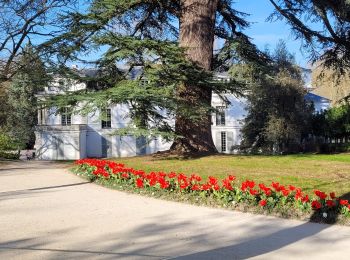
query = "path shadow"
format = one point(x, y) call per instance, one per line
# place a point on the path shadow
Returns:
point(163, 237)
point(259, 246)
point(30, 192)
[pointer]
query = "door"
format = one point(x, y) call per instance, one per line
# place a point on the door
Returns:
point(106, 146)
point(141, 144)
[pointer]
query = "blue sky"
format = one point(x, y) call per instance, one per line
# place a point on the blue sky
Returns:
point(263, 33)
point(268, 33)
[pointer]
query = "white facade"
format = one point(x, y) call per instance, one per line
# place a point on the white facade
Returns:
point(59, 137)
point(86, 137)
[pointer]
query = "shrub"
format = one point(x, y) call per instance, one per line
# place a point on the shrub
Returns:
point(9, 155)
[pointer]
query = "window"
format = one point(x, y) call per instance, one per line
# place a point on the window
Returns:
point(143, 82)
point(223, 141)
point(41, 114)
point(106, 118)
point(66, 116)
point(61, 83)
point(220, 116)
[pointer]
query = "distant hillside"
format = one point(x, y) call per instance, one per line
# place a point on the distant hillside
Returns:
point(328, 85)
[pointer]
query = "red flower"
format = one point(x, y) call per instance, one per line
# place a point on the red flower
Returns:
point(231, 177)
point(305, 199)
point(330, 203)
point(276, 186)
point(153, 182)
point(243, 186)
point(320, 194)
point(213, 180)
point(172, 175)
point(195, 187)
point(285, 193)
point(184, 184)
point(265, 189)
point(268, 191)
point(250, 184)
point(195, 177)
point(298, 194)
point(316, 204)
point(343, 202)
point(139, 183)
point(205, 187)
point(247, 184)
point(262, 186)
point(216, 187)
point(332, 195)
point(262, 203)
point(227, 184)
point(253, 192)
point(125, 175)
point(164, 184)
point(291, 187)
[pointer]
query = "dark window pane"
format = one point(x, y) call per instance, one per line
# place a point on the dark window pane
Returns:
point(106, 121)
point(220, 116)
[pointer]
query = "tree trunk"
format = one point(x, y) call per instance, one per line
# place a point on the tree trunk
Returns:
point(197, 37)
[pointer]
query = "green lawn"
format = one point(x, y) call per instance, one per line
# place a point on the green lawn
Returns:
point(325, 172)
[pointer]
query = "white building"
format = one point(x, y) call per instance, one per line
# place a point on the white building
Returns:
point(65, 136)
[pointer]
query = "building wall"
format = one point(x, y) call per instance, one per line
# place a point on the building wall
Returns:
point(73, 142)
point(234, 114)
point(59, 143)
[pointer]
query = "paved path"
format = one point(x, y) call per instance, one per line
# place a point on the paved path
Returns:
point(48, 213)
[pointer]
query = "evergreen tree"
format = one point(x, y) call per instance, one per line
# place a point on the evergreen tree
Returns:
point(3, 103)
point(277, 113)
point(173, 42)
point(22, 102)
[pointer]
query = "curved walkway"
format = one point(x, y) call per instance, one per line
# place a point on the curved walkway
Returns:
point(48, 213)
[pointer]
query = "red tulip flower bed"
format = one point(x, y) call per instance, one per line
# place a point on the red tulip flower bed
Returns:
point(284, 200)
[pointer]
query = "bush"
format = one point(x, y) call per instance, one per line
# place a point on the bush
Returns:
point(9, 155)
point(6, 142)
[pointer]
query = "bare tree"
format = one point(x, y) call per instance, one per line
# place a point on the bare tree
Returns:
point(27, 21)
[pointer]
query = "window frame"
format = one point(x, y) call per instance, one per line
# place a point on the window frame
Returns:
point(106, 124)
point(223, 142)
point(220, 116)
point(66, 116)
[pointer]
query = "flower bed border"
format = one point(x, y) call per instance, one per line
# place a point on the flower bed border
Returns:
point(277, 200)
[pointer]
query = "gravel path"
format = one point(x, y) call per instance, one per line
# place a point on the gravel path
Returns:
point(48, 213)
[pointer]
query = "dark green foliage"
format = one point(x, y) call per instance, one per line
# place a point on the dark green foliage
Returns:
point(9, 155)
point(333, 123)
point(146, 34)
point(6, 142)
point(22, 102)
point(277, 113)
point(3, 103)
